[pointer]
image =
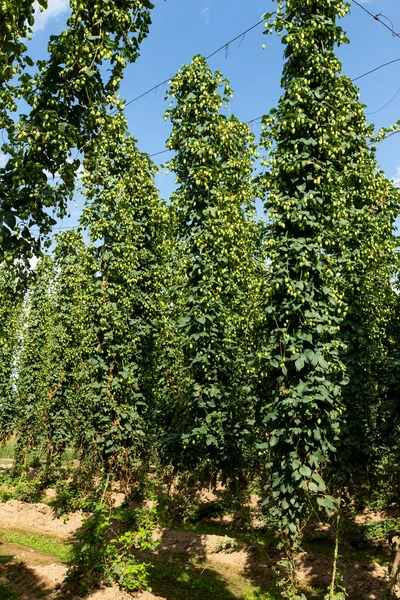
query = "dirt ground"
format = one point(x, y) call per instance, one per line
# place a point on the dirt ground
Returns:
point(364, 580)
point(374, 516)
point(36, 582)
point(37, 518)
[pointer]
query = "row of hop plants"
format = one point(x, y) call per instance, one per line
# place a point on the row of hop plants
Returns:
point(230, 347)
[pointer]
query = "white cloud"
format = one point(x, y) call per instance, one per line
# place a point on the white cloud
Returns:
point(55, 9)
point(205, 14)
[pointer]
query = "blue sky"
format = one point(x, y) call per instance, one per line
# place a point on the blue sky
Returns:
point(183, 28)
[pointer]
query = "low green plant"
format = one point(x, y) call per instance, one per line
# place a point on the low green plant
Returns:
point(71, 497)
point(228, 546)
point(98, 559)
point(186, 581)
point(287, 580)
point(384, 530)
point(258, 595)
point(26, 490)
point(87, 566)
point(35, 462)
point(121, 567)
point(205, 510)
point(338, 594)
point(68, 498)
point(378, 533)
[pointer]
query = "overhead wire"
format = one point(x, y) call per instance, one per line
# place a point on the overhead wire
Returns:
point(378, 17)
point(390, 62)
point(241, 35)
point(381, 66)
point(385, 105)
point(231, 41)
point(158, 85)
point(72, 227)
point(223, 47)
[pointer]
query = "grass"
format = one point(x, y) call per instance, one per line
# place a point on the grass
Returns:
point(6, 594)
point(257, 594)
point(346, 552)
point(181, 581)
point(45, 544)
point(206, 529)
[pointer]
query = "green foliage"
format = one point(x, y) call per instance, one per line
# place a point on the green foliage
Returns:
point(338, 594)
point(330, 217)
point(185, 581)
point(258, 595)
point(235, 350)
point(381, 488)
point(10, 314)
point(25, 490)
point(122, 568)
point(87, 567)
point(34, 363)
point(73, 496)
point(209, 420)
point(379, 532)
point(99, 559)
point(7, 451)
point(66, 98)
point(48, 364)
point(63, 414)
point(206, 510)
point(6, 594)
point(125, 221)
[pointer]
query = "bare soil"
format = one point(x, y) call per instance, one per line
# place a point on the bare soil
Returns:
point(116, 594)
point(35, 582)
point(374, 516)
point(39, 575)
point(38, 518)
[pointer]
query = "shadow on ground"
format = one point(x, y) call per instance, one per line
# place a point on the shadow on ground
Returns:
point(191, 565)
point(18, 580)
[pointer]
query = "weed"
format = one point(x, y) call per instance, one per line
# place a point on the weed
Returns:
point(198, 581)
point(258, 594)
point(382, 530)
point(26, 490)
point(228, 546)
point(100, 560)
point(205, 510)
point(70, 497)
